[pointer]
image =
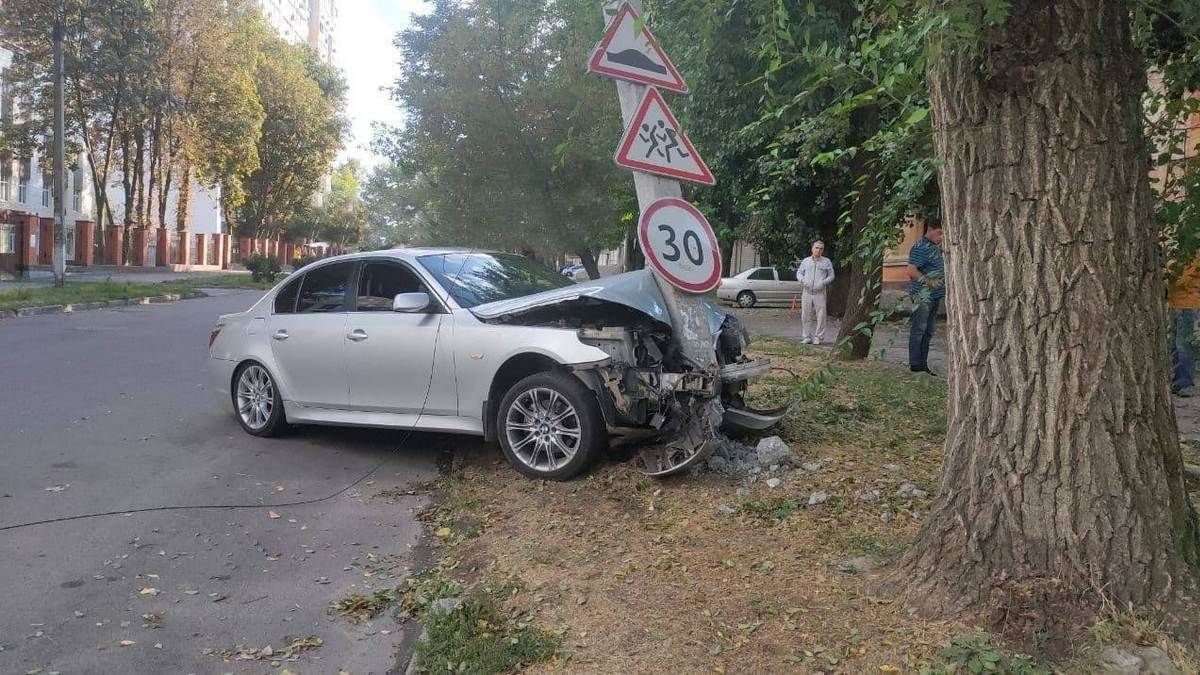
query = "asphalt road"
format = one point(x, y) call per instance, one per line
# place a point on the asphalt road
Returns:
point(110, 410)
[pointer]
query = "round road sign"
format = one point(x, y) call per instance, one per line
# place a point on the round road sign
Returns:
point(680, 245)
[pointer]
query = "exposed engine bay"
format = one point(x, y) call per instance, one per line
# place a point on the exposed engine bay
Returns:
point(649, 391)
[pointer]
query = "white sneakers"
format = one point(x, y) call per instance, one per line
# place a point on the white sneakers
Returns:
point(810, 341)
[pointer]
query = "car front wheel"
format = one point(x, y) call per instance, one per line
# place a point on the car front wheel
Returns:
point(256, 401)
point(746, 299)
point(550, 426)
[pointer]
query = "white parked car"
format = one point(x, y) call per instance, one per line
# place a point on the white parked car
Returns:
point(489, 344)
point(760, 285)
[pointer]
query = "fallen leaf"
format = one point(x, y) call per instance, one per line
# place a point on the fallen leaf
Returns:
point(443, 532)
point(148, 591)
point(272, 515)
point(57, 488)
point(126, 643)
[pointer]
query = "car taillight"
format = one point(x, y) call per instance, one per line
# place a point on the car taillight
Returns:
point(212, 337)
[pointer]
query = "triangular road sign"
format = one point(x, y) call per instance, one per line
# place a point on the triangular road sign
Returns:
point(653, 143)
point(628, 51)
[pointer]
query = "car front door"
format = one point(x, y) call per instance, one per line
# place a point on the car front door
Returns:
point(307, 337)
point(390, 355)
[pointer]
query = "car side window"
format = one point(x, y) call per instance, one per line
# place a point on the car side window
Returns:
point(762, 274)
point(285, 299)
point(381, 282)
point(786, 273)
point(324, 289)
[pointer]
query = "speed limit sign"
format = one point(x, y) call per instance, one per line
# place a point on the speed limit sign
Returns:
point(680, 245)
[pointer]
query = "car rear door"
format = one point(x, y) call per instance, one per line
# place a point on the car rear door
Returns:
point(762, 282)
point(390, 355)
point(308, 342)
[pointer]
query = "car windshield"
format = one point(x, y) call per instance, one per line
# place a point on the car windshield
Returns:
point(479, 278)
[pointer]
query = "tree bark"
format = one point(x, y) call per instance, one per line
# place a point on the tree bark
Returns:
point(588, 260)
point(1062, 459)
point(864, 268)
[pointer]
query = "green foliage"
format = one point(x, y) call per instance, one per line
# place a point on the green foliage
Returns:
point(477, 638)
point(263, 267)
point(508, 140)
point(340, 219)
point(975, 654)
point(301, 132)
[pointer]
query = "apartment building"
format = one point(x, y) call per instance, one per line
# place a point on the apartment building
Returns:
point(309, 22)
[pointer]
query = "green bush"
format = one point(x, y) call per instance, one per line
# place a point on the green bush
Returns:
point(263, 267)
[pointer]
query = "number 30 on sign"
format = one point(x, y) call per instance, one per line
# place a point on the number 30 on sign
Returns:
point(680, 245)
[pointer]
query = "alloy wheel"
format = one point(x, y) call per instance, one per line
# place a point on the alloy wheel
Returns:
point(543, 429)
point(255, 397)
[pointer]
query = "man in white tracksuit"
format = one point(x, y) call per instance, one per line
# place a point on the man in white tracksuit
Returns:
point(814, 274)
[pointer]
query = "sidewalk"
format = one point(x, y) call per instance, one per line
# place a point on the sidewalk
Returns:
point(132, 275)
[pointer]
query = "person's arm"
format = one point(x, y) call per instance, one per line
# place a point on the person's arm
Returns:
point(829, 274)
point(913, 273)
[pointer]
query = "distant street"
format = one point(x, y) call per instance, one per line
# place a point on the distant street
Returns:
point(110, 410)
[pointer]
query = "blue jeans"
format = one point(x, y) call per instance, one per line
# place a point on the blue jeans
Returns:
point(1182, 360)
point(920, 332)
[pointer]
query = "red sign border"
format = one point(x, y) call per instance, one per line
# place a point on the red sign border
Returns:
point(595, 64)
point(623, 160)
point(643, 239)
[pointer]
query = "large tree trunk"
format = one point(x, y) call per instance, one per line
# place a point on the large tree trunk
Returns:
point(588, 260)
point(1062, 461)
point(864, 276)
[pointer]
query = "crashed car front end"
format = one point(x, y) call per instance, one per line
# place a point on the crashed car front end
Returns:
point(649, 391)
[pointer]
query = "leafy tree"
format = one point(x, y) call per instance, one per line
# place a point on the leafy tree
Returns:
point(508, 140)
point(302, 130)
point(340, 218)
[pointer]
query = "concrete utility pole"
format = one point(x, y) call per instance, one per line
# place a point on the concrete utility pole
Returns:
point(689, 314)
point(60, 165)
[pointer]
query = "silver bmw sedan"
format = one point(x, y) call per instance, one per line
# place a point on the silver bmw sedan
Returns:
point(489, 344)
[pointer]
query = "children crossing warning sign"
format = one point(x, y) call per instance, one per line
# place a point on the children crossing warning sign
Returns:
point(653, 143)
point(628, 51)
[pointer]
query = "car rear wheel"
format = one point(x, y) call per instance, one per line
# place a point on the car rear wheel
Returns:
point(746, 299)
point(256, 401)
point(550, 426)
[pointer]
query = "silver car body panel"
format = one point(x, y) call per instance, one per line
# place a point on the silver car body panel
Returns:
point(435, 370)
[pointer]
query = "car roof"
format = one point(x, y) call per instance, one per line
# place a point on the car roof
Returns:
point(405, 253)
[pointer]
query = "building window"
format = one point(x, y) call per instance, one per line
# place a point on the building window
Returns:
point(77, 194)
point(23, 171)
point(5, 176)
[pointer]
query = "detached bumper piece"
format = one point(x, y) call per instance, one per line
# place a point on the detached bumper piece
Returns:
point(746, 419)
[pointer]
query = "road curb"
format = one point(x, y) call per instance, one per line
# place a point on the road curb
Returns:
point(71, 308)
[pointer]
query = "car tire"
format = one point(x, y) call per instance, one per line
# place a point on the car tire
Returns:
point(746, 299)
point(550, 426)
point(257, 404)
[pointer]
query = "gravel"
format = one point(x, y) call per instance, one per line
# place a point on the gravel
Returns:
point(774, 482)
point(818, 497)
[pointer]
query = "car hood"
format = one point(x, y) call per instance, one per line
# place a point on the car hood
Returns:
point(636, 290)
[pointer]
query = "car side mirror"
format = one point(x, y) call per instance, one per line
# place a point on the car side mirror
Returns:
point(410, 302)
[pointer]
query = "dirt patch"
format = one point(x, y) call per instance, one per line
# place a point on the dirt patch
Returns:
point(783, 570)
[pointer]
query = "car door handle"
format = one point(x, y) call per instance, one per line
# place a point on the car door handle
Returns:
point(357, 335)
point(280, 335)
